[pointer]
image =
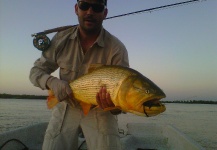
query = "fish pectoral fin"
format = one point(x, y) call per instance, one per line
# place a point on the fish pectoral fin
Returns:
point(51, 100)
point(111, 108)
point(85, 107)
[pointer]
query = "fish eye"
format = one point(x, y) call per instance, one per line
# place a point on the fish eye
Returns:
point(142, 89)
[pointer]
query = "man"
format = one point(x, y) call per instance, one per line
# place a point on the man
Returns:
point(73, 51)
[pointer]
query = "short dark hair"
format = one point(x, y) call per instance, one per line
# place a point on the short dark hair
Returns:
point(104, 1)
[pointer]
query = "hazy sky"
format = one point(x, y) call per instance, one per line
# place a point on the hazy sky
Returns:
point(176, 47)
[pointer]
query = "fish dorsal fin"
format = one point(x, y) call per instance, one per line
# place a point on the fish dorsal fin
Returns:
point(93, 67)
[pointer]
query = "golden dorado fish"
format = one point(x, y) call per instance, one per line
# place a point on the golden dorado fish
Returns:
point(130, 91)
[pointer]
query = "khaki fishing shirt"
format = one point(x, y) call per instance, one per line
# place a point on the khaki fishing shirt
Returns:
point(66, 54)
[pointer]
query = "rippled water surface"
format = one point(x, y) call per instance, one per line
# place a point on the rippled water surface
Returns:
point(16, 113)
point(197, 121)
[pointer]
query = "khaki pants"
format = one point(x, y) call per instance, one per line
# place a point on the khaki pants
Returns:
point(100, 129)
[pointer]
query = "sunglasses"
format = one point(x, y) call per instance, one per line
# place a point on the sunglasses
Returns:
point(98, 8)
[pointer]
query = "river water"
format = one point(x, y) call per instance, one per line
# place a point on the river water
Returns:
point(197, 121)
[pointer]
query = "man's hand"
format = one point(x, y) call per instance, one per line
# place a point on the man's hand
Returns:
point(104, 100)
point(60, 88)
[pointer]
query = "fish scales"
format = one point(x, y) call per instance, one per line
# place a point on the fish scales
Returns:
point(86, 87)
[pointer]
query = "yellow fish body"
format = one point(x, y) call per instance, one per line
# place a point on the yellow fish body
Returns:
point(130, 91)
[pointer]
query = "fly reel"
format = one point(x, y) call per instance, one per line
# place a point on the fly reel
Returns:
point(41, 41)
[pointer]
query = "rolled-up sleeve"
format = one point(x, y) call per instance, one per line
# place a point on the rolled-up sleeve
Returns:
point(40, 73)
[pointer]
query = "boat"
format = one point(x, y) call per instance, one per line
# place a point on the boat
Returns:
point(139, 136)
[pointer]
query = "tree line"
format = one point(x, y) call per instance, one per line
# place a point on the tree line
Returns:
point(23, 96)
point(192, 101)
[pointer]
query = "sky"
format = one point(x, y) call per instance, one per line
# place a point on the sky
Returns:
point(176, 47)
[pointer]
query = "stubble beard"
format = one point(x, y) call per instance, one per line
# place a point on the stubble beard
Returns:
point(94, 29)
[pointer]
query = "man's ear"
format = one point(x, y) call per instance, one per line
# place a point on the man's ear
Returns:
point(76, 9)
point(105, 13)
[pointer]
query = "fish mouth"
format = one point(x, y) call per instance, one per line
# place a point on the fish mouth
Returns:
point(153, 107)
point(153, 102)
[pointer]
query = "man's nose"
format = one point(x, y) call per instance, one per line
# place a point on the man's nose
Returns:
point(90, 11)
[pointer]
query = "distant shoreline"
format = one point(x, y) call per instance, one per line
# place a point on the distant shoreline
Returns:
point(191, 102)
point(23, 96)
point(43, 97)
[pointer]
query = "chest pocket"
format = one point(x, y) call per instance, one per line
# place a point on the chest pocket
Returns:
point(68, 72)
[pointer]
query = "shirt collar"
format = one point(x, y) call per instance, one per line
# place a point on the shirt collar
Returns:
point(100, 39)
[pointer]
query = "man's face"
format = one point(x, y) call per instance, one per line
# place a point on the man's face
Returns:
point(91, 14)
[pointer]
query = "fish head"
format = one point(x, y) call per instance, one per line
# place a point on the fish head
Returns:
point(143, 96)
